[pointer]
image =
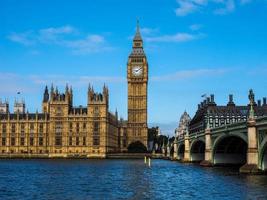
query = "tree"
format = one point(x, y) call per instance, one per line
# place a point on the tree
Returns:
point(153, 133)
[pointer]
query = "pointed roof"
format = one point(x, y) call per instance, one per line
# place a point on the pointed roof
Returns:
point(137, 49)
point(137, 36)
point(46, 95)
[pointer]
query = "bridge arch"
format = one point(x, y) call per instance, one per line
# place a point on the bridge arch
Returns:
point(180, 151)
point(137, 147)
point(230, 149)
point(263, 154)
point(197, 150)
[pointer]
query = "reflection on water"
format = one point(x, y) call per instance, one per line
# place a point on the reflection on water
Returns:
point(124, 179)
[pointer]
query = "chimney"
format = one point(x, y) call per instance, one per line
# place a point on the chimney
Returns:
point(212, 98)
point(198, 106)
point(259, 102)
point(231, 100)
point(264, 101)
point(208, 100)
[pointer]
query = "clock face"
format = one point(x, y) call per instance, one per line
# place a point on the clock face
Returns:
point(137, 70)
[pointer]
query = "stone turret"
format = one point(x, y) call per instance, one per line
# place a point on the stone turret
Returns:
point(56, 96)
point(60, 104)
point(46, 95)
point(19, 106)
point(99, 98)
point(45, 104)
point(183, 125)
point(98, 103)
point(4, 107)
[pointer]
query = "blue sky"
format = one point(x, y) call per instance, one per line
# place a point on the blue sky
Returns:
point(193, 47)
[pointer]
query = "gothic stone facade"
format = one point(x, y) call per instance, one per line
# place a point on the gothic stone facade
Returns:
point(62, 130)
point(209, 112)
point(183, 125)
point(137, 76)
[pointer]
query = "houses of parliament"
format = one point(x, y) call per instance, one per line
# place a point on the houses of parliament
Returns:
point(62, 130)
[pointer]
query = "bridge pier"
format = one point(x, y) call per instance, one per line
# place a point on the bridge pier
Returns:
point(207, 162)
point(186, 149)
point(252, 165)
point(175, 150)
point(168, 151)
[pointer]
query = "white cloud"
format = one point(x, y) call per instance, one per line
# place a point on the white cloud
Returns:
point(64, 36)
point(229, 7)
point(54, 34)
point(148, 31)
point(76, 81)
point(186, 7)
point(195, 27)
point(11, 83)
point(90, 44)
point(58, 30)
point(21, 38)
point(178, 37)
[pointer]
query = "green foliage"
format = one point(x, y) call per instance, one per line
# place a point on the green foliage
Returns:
point(152, 133)
point(171, 140)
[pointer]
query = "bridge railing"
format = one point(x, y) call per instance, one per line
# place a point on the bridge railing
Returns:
point(197, 134)
point(228, 127)
point(261, 120)
point(192, 135)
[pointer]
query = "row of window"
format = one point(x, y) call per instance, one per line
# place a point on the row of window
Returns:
point(76, 141)
point(22, 151)
point(58, 141)
point(137, 132)
point(77, 126)
point(220, 122)
point(58, 127)
point(22, 134)
point(226, 119)
point(137, 59)
point(22, 128)
point(41, 151)
point(135, 117)
point(22, 141)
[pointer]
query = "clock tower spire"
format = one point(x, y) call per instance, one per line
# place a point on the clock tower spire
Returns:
point(137, 77)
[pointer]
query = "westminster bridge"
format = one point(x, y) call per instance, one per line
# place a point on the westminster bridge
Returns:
point(243, 143)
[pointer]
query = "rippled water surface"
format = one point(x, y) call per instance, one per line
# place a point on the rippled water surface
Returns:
point(124, 179)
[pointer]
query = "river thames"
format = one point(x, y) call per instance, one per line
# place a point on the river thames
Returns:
point(124, 179)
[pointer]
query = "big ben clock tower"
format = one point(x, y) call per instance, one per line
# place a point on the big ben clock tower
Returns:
point(137, 76)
